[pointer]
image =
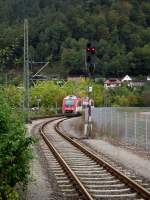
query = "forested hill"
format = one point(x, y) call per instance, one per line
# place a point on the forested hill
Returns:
point(60, 29)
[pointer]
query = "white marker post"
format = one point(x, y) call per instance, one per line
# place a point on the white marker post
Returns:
point(88, 121)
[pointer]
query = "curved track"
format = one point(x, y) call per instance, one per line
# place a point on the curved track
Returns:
point(82, 174)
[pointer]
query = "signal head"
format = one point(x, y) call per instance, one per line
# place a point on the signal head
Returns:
point(88, 49)
point(93, 49)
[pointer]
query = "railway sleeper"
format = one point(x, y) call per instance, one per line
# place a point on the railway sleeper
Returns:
point(60, 175)
point(61, 178)
point(63, 181)
point(111, 191)
point(95, 173)
point(68, 190)
point(121, 185)
point(102, 182)
point(92, 168)
point(116, 196)
point(76, 157)
point(88, 169)
point(82, 165)
point(96, 178)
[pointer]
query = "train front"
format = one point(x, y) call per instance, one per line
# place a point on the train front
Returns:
point(69, 106)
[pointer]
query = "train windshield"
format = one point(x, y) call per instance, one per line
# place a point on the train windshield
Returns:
point(69, 102)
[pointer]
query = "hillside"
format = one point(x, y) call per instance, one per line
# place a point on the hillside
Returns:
point(60, 29)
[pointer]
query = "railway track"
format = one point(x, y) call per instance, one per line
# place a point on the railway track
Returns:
point(83, 175)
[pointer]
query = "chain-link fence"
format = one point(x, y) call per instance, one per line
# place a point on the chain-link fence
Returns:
point(129, 125)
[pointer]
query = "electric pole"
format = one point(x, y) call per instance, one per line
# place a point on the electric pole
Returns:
point(26, 70)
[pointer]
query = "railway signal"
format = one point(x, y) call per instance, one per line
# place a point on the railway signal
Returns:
point(93, 50)
point(90, 57)
point(90, 67)
point(88, 53)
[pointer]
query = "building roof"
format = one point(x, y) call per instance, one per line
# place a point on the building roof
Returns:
point(112, 81)
point(126, 78)
point(148, 78)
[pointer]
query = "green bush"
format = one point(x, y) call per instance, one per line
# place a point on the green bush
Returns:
point(15, 151)
point(8, 193)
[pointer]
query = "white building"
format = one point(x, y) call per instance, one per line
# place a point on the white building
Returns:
point(148, 78)
point(126, 79)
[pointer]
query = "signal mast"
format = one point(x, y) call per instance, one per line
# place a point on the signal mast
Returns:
point(90, 67)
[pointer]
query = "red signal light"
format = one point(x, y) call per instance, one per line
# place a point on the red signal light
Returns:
point(88, 49)
point(93, 49)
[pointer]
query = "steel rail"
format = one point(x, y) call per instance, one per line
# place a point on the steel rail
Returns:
point(128, 181)
point(46, 117)
point(79, 186)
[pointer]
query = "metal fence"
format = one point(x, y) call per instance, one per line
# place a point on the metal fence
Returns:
point(129, 125)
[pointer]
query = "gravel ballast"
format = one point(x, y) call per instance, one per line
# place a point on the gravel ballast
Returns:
point(134, 162)
point(44, 186)
point(127, 158)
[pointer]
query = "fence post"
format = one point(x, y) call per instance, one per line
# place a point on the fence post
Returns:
point(102, 117)
point(146, 132)
point(111, 132)
point(135, 128)
point(126, 126)
point(118, 121)
point(105, 120)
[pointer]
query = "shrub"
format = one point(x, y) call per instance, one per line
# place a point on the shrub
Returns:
point(15, 151)
point(7, 192)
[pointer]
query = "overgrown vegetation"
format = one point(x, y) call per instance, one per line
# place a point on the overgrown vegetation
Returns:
point(48, 95)
point(51, 94)
point(60, 29)
point(15, 152)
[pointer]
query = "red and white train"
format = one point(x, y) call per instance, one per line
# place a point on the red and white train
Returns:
point(72, 106)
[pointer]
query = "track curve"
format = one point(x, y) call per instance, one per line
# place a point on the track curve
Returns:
point(92, 177)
